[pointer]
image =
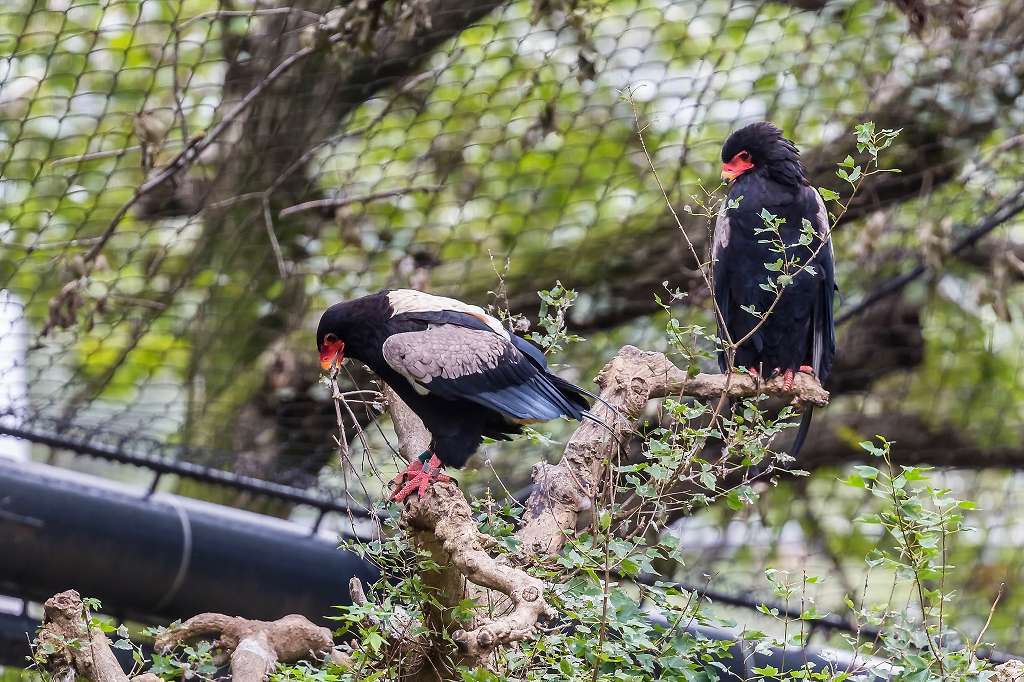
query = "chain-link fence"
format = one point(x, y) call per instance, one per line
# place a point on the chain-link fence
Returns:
point(187, 183)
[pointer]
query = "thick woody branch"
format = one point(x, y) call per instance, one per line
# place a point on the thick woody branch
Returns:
point(628, 382)
point(255, 646)
point(445, 513)
point(69, 648)
point(1011, 671)
point(442, 521)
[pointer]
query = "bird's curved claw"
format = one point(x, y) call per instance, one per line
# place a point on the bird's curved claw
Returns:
point(418, 477)
point(789, 375)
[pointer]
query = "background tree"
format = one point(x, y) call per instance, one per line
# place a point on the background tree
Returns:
point(293, 154)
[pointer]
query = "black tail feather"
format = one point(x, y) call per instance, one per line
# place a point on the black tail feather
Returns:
point(574, 395)
point(801, 432)
point(578, 396)
point(794, 450)
point(580, 391)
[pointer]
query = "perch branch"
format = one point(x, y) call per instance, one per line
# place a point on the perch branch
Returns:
point(443, 521)
point(255, 646)
point(628, 382)
point(445, 512)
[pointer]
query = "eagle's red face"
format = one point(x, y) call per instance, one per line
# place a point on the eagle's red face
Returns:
point(737, 166)
point(332, 352)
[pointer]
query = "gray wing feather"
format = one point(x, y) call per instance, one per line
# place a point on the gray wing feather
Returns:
point(417, 355)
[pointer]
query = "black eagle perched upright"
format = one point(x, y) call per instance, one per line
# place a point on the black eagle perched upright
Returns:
point(458, 368)
point(764, 172)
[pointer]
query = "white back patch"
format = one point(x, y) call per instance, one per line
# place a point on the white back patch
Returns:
point(412, 301)
point(823, 226)
point(723, 229)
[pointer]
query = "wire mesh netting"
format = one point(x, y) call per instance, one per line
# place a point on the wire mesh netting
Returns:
point(186, 184)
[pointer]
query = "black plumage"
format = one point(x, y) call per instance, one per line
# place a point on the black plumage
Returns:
point(766, 175)
point(456, 367)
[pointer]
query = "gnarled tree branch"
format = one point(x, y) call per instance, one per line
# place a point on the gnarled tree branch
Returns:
point(69, 647)
point(442, 520)
point(628, 382)
point(255, 646)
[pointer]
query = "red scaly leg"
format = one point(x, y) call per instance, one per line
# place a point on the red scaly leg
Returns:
point(787, 380)
point(406, 473)
point(418, 478)
point(807, 369)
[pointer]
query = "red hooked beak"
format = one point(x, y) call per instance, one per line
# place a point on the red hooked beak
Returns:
point(332, 353)
point(737, 167)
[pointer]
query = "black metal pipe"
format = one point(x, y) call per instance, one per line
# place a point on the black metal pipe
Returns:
point(185, 469)
point(161, 556)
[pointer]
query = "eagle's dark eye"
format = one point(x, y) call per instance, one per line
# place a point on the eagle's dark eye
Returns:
point(330, 338)
point(744, 156)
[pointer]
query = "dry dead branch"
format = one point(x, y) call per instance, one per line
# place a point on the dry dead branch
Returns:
point(255, 646)
point(628, 382)
point(442, 520)
point(68, 647)
point(1011, 671)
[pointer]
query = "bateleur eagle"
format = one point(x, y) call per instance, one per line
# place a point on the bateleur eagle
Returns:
point(458, 368)
point(765, 173)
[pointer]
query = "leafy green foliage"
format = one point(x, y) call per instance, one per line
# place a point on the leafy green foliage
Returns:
point(918, 520)
point(554, 304)
point(537, 157)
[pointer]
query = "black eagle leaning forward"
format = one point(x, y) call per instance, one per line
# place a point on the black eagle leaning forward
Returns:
point(458, 368)
point(765, 173)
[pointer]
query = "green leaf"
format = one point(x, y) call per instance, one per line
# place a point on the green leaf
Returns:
point(708, 480)
point(827, 194)
point(868, 473)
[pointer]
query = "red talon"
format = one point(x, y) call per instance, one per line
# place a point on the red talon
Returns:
point(418, 477)
point(787, 380)
point(807, 369)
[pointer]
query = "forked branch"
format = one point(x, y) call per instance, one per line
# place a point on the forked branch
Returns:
point(442, 520)
point(255, 646)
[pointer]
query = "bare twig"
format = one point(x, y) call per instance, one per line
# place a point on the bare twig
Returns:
point(106, 154)
point(220, 14)
point(988, 621)
point(268, 223)
point(345, 201)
